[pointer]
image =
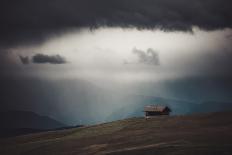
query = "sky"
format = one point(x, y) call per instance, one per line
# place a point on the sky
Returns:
point(78, 60)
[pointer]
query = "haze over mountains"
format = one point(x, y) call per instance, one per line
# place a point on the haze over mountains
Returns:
point(81, 102)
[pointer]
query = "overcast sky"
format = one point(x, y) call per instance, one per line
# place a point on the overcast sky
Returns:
point(116, 45)
point(126, 55)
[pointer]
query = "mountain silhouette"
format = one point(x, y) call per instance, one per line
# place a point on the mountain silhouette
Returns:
point(21, 122)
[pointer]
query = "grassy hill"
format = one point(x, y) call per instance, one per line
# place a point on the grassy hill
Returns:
point(202, 134)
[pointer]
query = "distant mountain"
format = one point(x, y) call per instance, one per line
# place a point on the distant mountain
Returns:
point(135, 107)
point(20, 122)
point(76, 101)
point(178, 107)
point(27, 119)
point(212, 106)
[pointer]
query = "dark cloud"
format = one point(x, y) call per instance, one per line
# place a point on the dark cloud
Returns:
point(52, 59)
point(149, 57)
point(8, 65)
point(31, 21)
point(24, 59)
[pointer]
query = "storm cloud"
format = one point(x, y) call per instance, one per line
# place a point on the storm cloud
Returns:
point(52, 59)
point(96, 35)
point(24, 59)
point(32, 21)
point(149, 57)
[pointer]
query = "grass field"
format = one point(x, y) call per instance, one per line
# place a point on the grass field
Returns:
point(202, 134)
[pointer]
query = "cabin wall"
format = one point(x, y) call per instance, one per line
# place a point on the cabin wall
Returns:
point(154, 113)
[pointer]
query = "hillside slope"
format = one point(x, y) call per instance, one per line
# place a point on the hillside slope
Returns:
point(196, 134)
point(20, 122)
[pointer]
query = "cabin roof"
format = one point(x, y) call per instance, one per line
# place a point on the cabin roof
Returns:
point(156, 108)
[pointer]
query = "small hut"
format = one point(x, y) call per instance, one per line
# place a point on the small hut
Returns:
point(156, 110)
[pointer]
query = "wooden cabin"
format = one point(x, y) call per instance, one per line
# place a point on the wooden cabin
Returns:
point(156, 110)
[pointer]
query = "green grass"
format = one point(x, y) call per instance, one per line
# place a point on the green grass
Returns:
point(197, 134)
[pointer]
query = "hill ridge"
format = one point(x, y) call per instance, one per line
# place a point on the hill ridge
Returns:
point(192, 134)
